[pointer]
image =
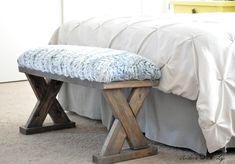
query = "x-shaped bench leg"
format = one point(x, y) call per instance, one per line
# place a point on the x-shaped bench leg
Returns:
point(47, 103)
point(124, 127)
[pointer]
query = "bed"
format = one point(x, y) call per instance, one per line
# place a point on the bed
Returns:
point(193, 107)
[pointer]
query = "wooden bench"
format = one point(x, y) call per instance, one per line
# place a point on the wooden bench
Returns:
point(46, 86)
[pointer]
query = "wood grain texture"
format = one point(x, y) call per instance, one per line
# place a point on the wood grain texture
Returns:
point(124, 114)
point(130, 84)
point(125, 127)
point(85, 83)
point(45, 91)
point(92, 84)
point(125, 155)
point(117, 135)
point(137, 97)
point(46, 128)
point(115, 139)
point(42, 107)
point(39, 86)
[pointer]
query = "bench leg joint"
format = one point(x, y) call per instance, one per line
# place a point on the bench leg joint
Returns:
point(46, 92)
point(125, 127)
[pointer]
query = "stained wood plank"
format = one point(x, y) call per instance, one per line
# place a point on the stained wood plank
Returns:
point(46, 128)
point(116, 136)
point(125, 155)
point(115, 139)
point(137, 97)
point(39, 86)
point(85, 83)
point(123, 112)
point(42, 107)
point(130, 84)
point(92, 84)
point(124, 127)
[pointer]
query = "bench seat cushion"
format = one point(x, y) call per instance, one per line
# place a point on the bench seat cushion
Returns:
point(89, 63)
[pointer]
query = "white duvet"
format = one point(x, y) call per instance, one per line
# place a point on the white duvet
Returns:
point(196, 54)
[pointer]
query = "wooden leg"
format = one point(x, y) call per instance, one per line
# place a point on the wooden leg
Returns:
point(47, 103)
point(125, 127)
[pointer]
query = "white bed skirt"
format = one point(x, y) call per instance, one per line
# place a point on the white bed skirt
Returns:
point(165, 118)
point(196, 63)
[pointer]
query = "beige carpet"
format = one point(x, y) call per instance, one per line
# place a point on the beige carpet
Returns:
point(72, 145)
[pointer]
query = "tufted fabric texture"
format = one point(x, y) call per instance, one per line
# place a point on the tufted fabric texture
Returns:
point(196, 54)
point(89, 63)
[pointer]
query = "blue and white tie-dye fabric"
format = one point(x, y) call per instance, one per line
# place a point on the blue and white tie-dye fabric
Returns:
point(89, 63)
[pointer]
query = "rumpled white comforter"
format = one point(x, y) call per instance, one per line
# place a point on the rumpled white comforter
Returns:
point(196, 54)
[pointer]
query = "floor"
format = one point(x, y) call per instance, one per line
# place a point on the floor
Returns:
point(71, 146)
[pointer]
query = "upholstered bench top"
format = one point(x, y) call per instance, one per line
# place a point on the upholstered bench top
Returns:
point(89, 63)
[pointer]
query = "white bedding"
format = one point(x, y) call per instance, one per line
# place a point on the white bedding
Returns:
point(196, 54)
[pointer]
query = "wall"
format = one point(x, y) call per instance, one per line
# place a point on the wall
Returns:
point(154, 7)
point(30, 23)
point(80, 9)
point(24, 24)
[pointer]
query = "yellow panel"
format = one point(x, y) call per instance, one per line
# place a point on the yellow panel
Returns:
point(203, 6)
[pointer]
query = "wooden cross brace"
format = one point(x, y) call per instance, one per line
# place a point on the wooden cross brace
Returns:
point(47, 103)
point(125, 126)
